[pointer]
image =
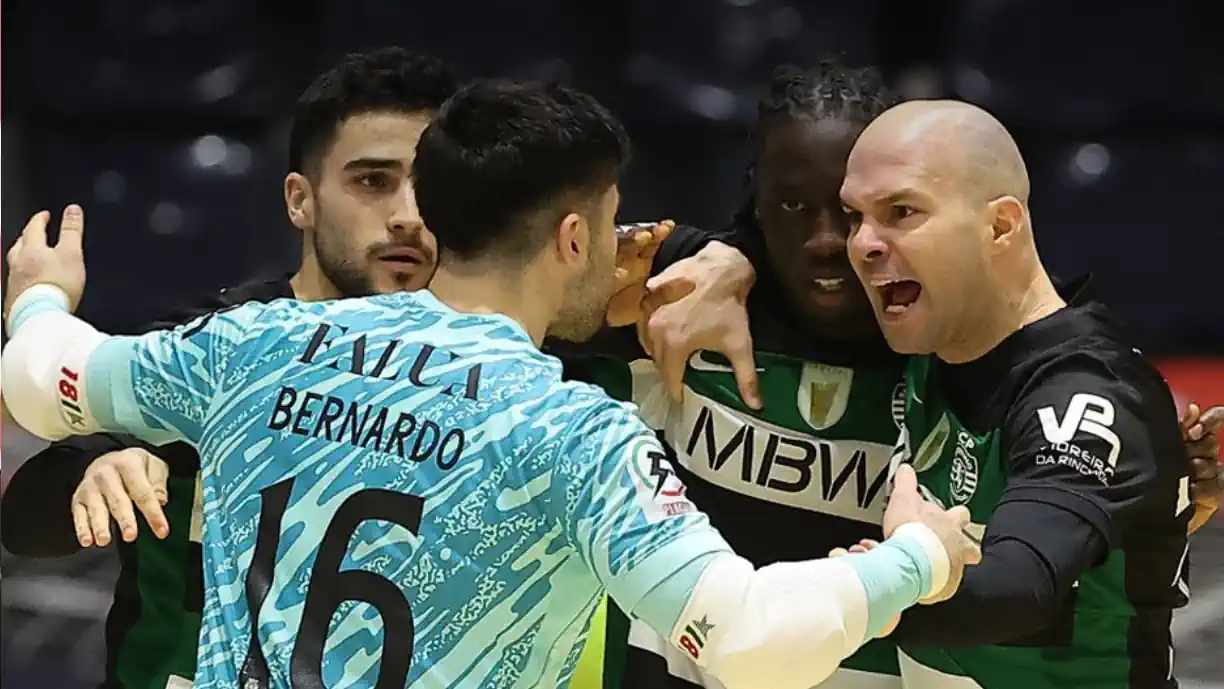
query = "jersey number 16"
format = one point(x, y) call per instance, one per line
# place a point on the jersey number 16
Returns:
point(329, 587)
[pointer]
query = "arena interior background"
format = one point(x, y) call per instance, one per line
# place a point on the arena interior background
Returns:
point(165, 119)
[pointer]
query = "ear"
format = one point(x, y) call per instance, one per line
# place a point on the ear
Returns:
point(1008, 220)
point(299, 201)
point(573, 240)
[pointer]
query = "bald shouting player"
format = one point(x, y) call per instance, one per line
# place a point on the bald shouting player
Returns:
point(1031, 408)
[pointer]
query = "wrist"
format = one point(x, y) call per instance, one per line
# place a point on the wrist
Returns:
point(928, 552)
point(35, 299)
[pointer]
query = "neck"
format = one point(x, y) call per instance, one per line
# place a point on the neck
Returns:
point(483, 289)
point(310, 284)
point(1026, 298)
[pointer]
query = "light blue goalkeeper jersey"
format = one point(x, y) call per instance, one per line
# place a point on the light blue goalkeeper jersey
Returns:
point(400, 495)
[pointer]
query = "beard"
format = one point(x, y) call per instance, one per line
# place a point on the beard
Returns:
point(350, 278)
point(584, 311)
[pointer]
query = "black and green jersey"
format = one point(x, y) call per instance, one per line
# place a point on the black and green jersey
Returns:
point(153, 627)
point(792, 481)
point(1063, 443)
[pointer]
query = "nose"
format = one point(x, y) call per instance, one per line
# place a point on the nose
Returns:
point(866, 244)
point(405, 218)
point(829, 238)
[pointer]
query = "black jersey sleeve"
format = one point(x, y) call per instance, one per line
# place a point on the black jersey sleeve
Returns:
point(1085, 450)
point(35, 512)
point(1095, 437)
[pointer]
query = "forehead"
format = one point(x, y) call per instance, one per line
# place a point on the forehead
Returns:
point(378, 135)
point(880, 167)
point(806, 151)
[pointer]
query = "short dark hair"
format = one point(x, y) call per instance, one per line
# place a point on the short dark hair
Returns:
point(383, 79)
point(499, 151)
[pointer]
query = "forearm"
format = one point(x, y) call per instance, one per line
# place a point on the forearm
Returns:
point(35, 513)
point(791, 624)
point(1021, 584)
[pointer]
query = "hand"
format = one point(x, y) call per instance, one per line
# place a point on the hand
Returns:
point(32, 261)
point(635, 254)
point(1201, 431)
point(863, 546)
point(701, 303)
point(907, 505)
point(112, 483)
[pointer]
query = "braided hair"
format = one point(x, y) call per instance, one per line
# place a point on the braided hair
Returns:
point(828, 90)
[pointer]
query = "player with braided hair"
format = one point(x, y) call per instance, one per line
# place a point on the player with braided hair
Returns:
point(802, 470)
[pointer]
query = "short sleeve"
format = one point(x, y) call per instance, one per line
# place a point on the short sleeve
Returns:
point(158, 386)
point(622, 505)
point(1082, 437)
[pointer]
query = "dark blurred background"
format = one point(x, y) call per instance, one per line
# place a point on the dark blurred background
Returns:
point(166, 120)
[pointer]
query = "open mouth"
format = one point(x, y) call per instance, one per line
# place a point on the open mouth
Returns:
point(896, 296)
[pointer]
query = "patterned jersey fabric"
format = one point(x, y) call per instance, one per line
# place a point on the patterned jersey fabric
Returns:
point(397, 494)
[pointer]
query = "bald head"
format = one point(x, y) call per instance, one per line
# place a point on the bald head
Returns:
point(957, 143)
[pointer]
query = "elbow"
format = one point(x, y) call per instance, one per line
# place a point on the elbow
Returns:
point(28, 394)
point(788, 625)
point(41, 369)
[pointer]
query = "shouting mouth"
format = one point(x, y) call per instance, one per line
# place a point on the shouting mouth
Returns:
point(897, 295)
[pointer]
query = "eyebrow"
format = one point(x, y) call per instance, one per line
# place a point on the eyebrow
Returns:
point(373, 164)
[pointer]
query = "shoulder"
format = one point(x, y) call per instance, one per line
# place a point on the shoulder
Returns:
point(1100, 396)
point(587, 409)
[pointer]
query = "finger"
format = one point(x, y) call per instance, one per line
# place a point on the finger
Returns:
point(118, 502)
point(140, 490)
point(72, 229)
point(1203, 469)
point(664, 289)
point(672, 364)
point(960, 514)
point(159, 476)
point(869, 543)
point(661, 232)
point(99, 516)
point(1189, 417)
point(80, 522)
point(743, 364)
point(1195, 432)
point(856, 548)
point(1207, 449)
point(973, 554)
point(1213, 419)
point(838, 552)
point(905, 482)
point(35, 232)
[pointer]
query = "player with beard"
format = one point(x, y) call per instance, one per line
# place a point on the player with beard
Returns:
point(351, 147)
point(417, 453)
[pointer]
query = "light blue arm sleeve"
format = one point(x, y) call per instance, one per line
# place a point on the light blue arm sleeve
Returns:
point(626, 512)
point(159, 386)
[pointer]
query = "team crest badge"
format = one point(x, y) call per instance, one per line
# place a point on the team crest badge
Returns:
point(823, 394)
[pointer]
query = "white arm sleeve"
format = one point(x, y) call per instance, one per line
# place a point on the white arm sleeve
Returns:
point(789, 625)
point(42, 366)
